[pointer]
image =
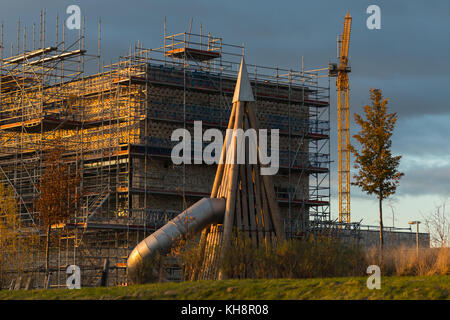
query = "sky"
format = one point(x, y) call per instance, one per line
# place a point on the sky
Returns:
point(407, 59)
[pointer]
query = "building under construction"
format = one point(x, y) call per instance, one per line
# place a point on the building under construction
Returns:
point(115, 127)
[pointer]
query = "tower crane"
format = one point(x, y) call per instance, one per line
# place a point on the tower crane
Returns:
point(340, 71)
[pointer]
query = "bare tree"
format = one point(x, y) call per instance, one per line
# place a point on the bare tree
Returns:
point(437, 223)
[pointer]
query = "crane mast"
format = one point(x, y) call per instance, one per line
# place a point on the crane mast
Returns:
point(342, 86)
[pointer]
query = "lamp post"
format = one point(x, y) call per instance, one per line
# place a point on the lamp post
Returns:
point(417, 235)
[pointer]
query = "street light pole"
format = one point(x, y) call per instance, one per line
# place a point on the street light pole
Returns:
point(417, 235)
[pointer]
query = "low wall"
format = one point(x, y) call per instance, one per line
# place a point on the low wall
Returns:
point(370, 238)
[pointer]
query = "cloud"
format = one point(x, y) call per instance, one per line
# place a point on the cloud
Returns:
point(423, 136)
point(430, 180)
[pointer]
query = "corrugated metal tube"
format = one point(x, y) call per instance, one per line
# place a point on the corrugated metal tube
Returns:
point(194, 219)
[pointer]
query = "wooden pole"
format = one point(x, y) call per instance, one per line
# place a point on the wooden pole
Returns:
point(232, 186)
point(238, 209)
point(259, 214)
point(28, 283)
point(268, 183)
point(219, 172)
point(18, 283)
point(251, 204)
point(245, 227)
point(215, 253)
point(217, 180)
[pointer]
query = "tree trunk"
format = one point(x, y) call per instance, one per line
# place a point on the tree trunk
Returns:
point(381, 226)
point(47, 251)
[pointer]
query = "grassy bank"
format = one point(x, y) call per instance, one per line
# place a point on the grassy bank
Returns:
point(431, 287)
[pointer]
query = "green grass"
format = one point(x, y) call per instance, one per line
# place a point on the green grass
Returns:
point(431, 287)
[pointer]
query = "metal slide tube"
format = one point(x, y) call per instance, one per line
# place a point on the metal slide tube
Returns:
point(201, 214)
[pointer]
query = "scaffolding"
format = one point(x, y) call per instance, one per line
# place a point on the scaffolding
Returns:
point(115, 126)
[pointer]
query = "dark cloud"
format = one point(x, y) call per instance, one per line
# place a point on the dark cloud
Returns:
point(419, 181)
point(423, 136)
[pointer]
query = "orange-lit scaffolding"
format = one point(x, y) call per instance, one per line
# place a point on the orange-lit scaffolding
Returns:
point(37, 106)
point(116, 127)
